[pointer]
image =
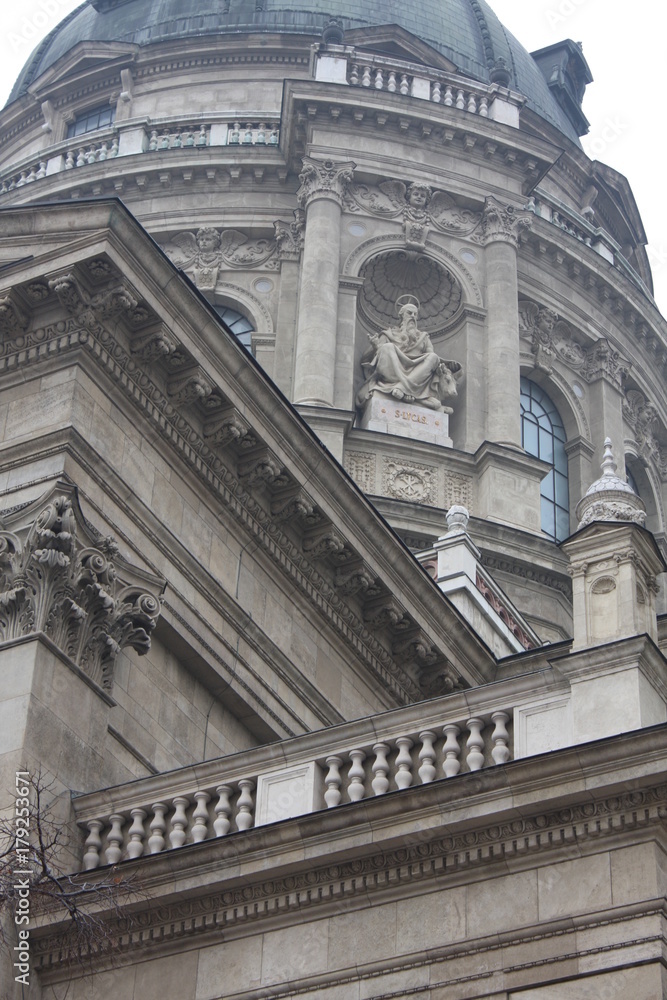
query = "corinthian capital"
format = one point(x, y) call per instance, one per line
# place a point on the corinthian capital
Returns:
point(501, 223)
point(324, 179)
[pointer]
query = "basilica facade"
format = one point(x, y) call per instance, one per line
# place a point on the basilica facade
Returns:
point(332, 482)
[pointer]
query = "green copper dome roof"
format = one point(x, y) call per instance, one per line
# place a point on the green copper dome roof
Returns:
point(467, 32)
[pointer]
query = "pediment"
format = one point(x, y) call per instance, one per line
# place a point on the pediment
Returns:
point(85, 57)
point(394, 41)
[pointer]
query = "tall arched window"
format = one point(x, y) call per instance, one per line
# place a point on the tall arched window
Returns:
point(239, 324)
point(543, 435)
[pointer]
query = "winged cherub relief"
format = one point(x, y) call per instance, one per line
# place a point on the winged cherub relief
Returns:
point(207, 250)
point(419, 206)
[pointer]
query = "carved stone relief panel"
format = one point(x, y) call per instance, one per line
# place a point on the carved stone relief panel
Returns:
point(459, 489)
point(360, 465)
point(410, 481)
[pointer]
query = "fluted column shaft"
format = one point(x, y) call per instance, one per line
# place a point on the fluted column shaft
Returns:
point(322, 187)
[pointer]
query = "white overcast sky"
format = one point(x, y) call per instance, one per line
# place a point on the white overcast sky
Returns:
point(623, 43)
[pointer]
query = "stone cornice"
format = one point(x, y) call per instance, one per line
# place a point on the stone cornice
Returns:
point(135, 319)
point(375, 848)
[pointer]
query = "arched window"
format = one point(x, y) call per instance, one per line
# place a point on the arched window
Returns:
point(239, 324)
point(543, 435)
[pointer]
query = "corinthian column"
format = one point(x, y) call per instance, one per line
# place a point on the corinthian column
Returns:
point(323, 184)
point(501, 226)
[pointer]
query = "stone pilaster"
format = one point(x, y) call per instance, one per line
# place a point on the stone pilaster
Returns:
point(323, 183)
point(499, 233)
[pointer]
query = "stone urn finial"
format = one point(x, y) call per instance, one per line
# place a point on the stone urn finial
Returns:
point(332, 33)
point(610, 498)
point(457, 519)
point(500, 73)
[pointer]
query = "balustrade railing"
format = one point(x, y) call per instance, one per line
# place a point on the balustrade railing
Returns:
point(235, 798)
point(132, 138)
point(439, 91)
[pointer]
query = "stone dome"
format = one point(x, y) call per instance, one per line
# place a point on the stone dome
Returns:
point(466, 32)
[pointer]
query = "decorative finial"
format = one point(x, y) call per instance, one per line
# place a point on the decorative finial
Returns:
point(332, 33)
point(608, 464)
point(457, 519)
point(500, 73)
point(610, 498)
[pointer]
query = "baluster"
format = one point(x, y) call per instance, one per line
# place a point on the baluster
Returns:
point(158, 827)
point(475, 744)
point(69, 160)
point(354, 75)
point(379, 79)
point(436, 92)
point(103, 151)
point(114, 839)
point(261, 136)
point(200, 817)
point(189, 139)
point(404, 85)
point(22, 179)
point(274, 137)
point(472, 104)
point(451, 749)
point(355, 775)
point(244, 805)
point(247, 138)
point(449, 97)
point(235, 134)
point(42, 170)
point(380, 783)
point(202, 138)
point(403, 776)
point(391, 84)
point(114, 146)
point(91, 155)
point(179, 822)
point(93, 845)
point(427, 757)
point(164, 141)
point(32, 176)
point(152, 145)
point(365, 76)
point(484, 107)
point(177, 141)
point(135, 844)
point(332, 781)
point(500, 737)
point(460, 100)
point(223, 810)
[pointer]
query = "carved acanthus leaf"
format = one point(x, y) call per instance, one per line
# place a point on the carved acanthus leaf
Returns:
point(289, 236)
point(262, 466)
point(53, 580)
point(356, 579)
point(324, 178)
point(386, 612)
point(326, 541)
point(14, 318)
point(189, 388)
point(501, 223)
point(290, 505)
point(154, 345)
point(229, 428)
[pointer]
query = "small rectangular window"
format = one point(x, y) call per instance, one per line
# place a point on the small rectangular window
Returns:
point(91, 121)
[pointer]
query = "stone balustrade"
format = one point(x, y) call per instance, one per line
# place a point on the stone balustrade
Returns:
point(317, 771)
point(375, 72)
point(133, 138)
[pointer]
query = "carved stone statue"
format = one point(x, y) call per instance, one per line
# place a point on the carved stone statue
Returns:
point(401, 363)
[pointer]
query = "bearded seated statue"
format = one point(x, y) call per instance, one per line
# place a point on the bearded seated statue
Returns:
point(401, 363)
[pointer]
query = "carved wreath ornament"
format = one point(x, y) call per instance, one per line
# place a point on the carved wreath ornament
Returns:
point(51, 583)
